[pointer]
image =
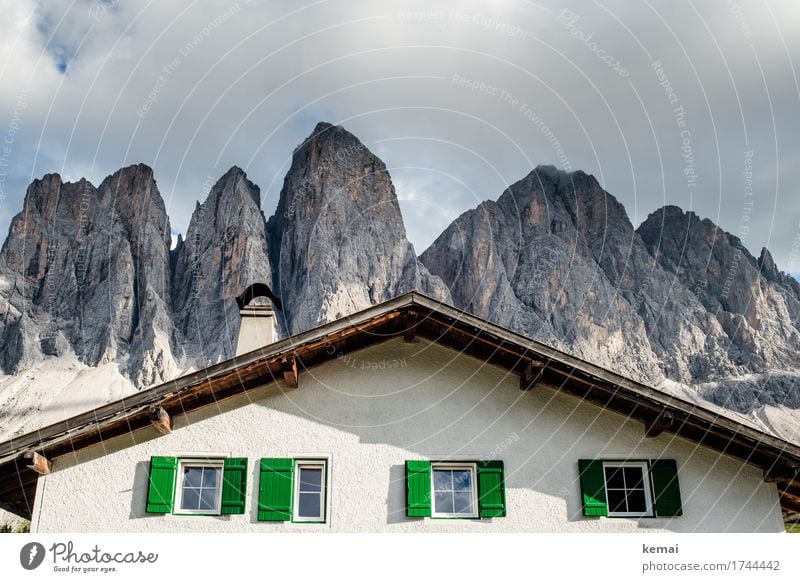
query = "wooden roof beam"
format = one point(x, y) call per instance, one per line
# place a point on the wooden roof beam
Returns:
point(160, 419)
point(290, 374)
point(659, 424)
point(38, 463)
point(531, 375)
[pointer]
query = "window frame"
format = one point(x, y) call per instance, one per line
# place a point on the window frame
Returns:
point(472, 467)
point(646, 481)
point(218, 463)
point(311, 463)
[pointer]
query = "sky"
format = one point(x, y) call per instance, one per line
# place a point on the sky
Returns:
point(692, 103)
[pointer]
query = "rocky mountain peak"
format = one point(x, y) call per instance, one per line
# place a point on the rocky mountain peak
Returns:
point(337, 239)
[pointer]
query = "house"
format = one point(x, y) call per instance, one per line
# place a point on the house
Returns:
point(409, 416)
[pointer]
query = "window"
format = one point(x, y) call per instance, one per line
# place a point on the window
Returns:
point(293, 489)
point(199, 487)
point(454, 491)
point(309, 496)
point(630, 488)
point(627, 489)
point(467, 489)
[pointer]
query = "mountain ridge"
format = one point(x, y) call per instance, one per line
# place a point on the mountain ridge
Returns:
point(87, 274)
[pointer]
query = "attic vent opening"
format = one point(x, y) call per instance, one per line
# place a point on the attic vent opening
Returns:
point(257, 328)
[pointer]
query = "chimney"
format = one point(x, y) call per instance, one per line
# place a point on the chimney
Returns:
point(257, 328)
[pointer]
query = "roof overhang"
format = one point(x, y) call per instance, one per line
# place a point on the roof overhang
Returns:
point(410, 315)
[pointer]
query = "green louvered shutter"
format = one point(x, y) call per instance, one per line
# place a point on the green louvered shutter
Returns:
point(491, 489)
point(234, 486)
point(667, 492)
point(418, 488)
point(276, 490)
point(161, 494)
point(593, 487)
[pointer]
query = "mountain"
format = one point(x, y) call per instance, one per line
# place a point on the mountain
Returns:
point(337, 240)
point(225, 251)
point(95, 304)
point(556, 257)
point(86, 270)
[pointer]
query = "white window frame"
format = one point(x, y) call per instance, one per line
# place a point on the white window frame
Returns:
point(473, 469)
point(198, 462)
point(648, 491)
point(311, 463)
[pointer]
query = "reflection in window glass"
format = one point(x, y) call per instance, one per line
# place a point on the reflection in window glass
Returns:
point(453, 491)
point(200, 487)
point(310, 491)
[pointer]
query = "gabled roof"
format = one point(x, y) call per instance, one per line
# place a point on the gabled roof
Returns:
point(410, 315)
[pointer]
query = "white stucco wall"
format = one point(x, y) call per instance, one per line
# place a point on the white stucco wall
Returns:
point(378, 407)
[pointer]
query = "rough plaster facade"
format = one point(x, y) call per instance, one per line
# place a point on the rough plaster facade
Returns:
point(371, 410)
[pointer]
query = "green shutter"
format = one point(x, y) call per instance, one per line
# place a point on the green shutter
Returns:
point(491, 489)
point(234, 486)
point(593, 487)
point(161, 494)
point(276, 490)
point(666, 491)
point(418, 488)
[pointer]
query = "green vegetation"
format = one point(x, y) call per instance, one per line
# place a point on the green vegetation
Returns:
point(792, 527)
point(22, 526)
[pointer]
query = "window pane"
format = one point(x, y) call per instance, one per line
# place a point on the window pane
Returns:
point(192, 476)
point(614, 478)
point(636, 501)
point(210, 477)
point(616, 500)
point(208, 499)
point(311, 480)
point(191, 499)
point(462, 480)
point(462, 502)
point(442, 480)
point(633, 478)
point(309, 505)
point(443, 502)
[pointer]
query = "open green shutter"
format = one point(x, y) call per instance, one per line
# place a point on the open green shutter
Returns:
point(161, 494)
point(234, 486)
point(593, 487)
point(491, 489)
point(418, 488)
point(276, 490)
point(667, 493)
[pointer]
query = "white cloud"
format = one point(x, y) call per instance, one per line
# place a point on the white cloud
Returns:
point(193, 88)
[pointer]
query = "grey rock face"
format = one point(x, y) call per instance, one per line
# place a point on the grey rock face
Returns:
point(87, 269)
point(557, 258)
point(337, 241)
point(224, 252)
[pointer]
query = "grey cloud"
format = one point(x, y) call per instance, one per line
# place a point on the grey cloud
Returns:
point(193, 89)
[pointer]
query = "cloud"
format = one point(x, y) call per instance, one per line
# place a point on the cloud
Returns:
point(460, 99)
